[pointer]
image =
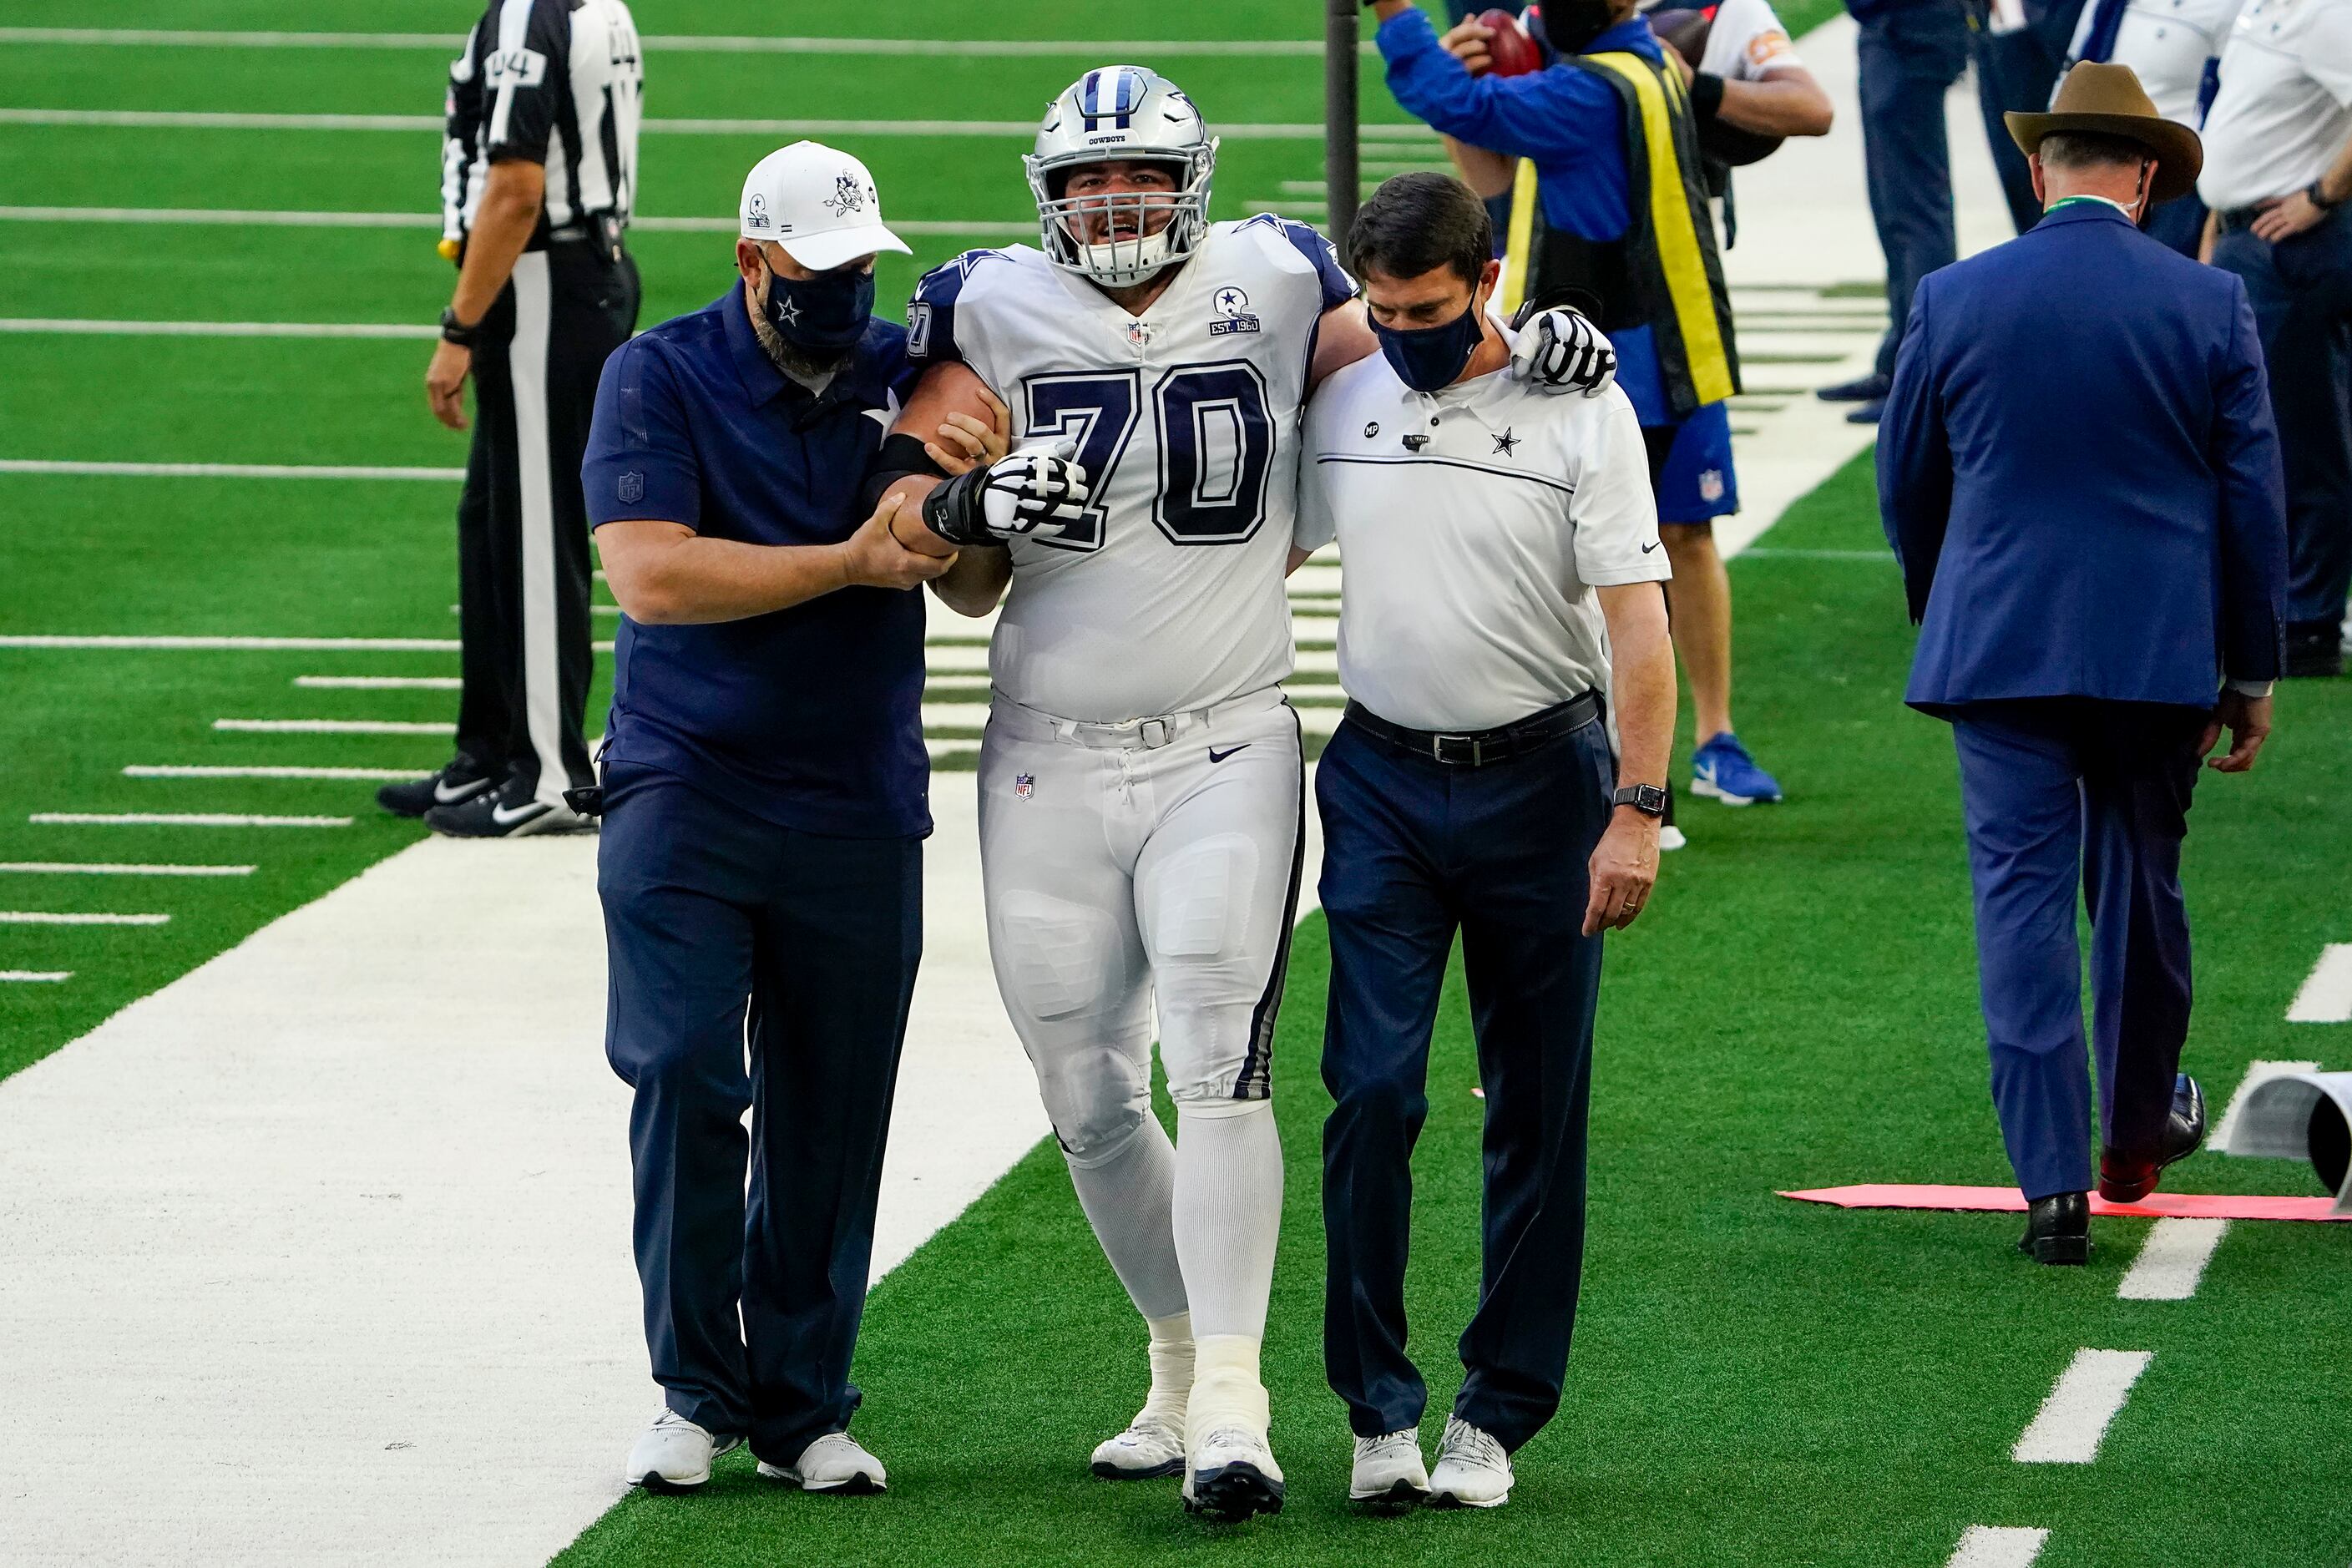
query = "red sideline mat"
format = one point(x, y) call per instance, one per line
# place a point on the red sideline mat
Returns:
point(2008, 1200)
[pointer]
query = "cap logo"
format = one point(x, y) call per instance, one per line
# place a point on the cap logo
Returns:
point(848, 196)
point(755, 211)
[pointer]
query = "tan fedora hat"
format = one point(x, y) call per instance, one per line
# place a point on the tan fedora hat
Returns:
point(2109, 99)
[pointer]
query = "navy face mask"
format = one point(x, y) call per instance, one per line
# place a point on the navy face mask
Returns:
point(824, 315)
point(1426, 358)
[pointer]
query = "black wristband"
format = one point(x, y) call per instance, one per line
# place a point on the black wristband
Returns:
point(452, 331)
point(954, 510)
point(1705, 95)
point(2318, 196)
point(900, 457)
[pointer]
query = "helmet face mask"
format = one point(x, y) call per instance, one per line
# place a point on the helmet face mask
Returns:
point(1121, 237)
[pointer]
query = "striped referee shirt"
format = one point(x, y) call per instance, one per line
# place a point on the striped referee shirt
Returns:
point(554, 82)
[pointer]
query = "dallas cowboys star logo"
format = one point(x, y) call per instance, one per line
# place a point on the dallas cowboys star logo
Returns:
point(1507, 443)
point(789, 313)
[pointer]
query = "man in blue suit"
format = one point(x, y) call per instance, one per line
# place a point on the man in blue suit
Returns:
point(2079, 472)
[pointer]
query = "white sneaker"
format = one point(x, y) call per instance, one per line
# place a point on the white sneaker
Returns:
point(673, 1455)
point(835, 1463)
point(1472, 1470)
point(1388, 1476)
point(1149, 1447)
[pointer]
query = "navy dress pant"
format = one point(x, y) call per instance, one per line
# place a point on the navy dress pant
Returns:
point(753, 968)
point(1909, 56)
point(2301, 290)
point(1414, 850)
point(2057, 794)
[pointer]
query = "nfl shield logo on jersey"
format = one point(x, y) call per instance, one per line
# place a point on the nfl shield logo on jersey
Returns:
point(1710, 485)
point(630, 488)
point(1024, 785)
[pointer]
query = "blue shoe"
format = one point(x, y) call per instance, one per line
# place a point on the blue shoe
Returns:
point(1722, 768)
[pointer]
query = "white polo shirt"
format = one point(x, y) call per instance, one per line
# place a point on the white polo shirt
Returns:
point(2286, 105)
point(2167, 44)
point(1470, 559)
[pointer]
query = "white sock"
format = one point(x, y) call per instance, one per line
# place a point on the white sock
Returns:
point(1228, 1213)
point(1129, 1198)
point(1171, 1370)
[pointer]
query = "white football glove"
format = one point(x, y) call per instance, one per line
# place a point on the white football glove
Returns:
point(1039, 490)
point(1560, 350)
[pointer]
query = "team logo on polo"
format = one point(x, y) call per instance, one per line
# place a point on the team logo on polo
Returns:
point(1232, 305)
point(631, 488)
point(1506, 444)
point(848, 196)
point(1025, 785)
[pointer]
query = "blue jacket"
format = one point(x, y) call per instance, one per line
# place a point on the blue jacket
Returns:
point(2078, 470)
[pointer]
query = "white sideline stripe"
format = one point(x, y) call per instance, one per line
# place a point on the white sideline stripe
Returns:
point(114, 869)
point(242, 644)
point(178, 819)
point(380, 682)
point(1997, 1546)
point(2172, 1260)
point(694, 43)
point(179, 771)
point(2327, 994)
point(91, 328)
point(333, 727)
point(284, 218)
point(218, 120)
point(2257, 1072)
point(226, 470)
point(33, 976)
point(1769, 551)
point(2073, 1422)
point(53, 918)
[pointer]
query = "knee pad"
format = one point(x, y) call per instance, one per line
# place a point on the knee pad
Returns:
point(1054, 959)
point(1094, 1132)
point(1199, 899)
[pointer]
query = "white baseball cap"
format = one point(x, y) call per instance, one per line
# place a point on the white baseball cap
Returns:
point(819, 203)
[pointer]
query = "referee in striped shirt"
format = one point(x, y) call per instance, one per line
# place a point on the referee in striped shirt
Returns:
point(539, 172)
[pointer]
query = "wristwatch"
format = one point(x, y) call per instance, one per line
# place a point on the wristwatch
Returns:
point(1648, 799)
point(2318, 192)
point(453, 330)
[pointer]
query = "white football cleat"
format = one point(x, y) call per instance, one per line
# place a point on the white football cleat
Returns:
point(1230, 1474)
point(1472, 1470)
point(835, 1463)
point(673, 1455)
point(1147, 1449)
point(1389, 1477)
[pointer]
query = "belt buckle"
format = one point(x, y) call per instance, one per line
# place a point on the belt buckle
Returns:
point(1469, 749)
point(1154, 734)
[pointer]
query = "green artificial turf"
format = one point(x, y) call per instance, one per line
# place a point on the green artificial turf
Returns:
point(1755, 1381)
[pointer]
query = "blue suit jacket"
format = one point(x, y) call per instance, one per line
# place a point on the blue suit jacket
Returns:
point(2078, 469)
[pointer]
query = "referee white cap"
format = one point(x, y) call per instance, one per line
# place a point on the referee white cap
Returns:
point(819, 203)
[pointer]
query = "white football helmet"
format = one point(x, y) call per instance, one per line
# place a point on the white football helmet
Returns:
point(1121, 113)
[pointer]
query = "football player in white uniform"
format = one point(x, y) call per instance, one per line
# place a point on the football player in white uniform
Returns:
point(1140, 779)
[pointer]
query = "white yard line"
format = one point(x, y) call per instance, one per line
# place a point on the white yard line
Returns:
point(76, 326)
point(239, 645)
point(2172, 1260)
point(216, 771)
point(178, 819)
point(380, 682)
point(116, 868)
point(697, 43)
point(33, 976)
point(2325, 996)
point(2257, 1072)
point(2074, 1420)
point(220, 120)
point(1997, 1546)
point(226, 470)
point(54, 918)
point(262, 217)
point(334, 727)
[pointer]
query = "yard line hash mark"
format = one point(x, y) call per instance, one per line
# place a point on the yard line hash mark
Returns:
point(2072, 1421)
point(56, 918)
point(2172, 1260)
point(1997, 1546)
point(224, 470)
point(241, 645)
point(33, 976)
point(380, 682)
point(211, 771)
point(178, 819)
point(334, 727)
point(2327, 994)
point(115, 869)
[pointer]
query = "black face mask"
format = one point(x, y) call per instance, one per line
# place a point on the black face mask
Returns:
point(1570, 25)
point(824, 315)
point(1426, 358)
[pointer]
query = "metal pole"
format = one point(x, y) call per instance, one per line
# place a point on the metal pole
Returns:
point(1340, 165)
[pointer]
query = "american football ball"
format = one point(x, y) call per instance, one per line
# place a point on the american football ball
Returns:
point(1510, 52)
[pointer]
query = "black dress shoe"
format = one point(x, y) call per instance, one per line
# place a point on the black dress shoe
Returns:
point(2058, 1229)
point(2314, 650)
point(2127, 1178)
point(1868, 389)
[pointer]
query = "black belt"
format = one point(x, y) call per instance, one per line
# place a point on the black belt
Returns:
point(1477, 748)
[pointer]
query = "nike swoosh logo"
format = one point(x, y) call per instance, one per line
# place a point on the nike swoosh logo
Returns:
point(445, 795)
point(524, 813)
point(1647, 548)
point(1217, 756)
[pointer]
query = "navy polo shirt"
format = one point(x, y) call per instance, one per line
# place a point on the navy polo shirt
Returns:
point(810, 717)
